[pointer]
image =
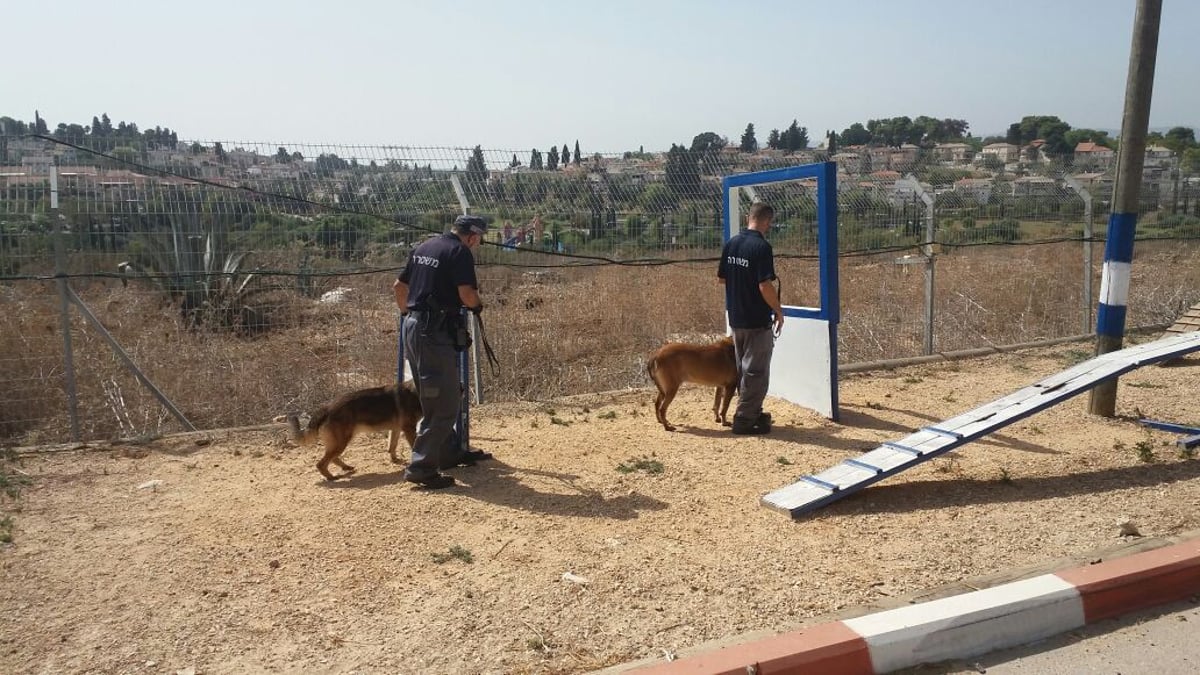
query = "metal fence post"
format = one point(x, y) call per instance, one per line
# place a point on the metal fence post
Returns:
point(476, 368)
point(64, 315)
point(1088, 262)
point(910, 181)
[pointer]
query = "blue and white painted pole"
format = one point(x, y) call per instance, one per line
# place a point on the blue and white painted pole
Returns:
point(1122, 224)
point(1114, 282)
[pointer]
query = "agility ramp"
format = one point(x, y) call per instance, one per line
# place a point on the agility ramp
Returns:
point(851, 475)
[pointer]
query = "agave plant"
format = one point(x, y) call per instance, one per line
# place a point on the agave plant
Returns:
point(207, 282)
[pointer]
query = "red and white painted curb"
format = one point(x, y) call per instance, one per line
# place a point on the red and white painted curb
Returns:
point(964, 625)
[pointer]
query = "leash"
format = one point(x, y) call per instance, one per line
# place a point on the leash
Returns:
point(487, 346)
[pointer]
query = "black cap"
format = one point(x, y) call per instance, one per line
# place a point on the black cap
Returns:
point(470, 224)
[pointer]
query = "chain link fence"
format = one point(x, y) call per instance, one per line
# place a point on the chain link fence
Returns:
point(248, 279)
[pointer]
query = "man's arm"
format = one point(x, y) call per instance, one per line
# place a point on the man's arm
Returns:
point(469, 296)
point(772, 297)
point(400, 290)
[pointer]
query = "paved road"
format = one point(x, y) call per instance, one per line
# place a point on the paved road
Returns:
point(1165, 641)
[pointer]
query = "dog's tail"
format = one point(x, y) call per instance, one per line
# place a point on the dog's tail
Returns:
point(307, 436)
point(652, 370)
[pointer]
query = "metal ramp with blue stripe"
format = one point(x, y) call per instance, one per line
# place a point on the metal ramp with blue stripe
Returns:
point(851, 475)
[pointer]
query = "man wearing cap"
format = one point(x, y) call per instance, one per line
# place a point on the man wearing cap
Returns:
point(437, 281)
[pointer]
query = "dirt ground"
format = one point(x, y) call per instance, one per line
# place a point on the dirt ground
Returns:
point(242, 560)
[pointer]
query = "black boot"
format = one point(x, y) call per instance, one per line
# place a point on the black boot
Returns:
point(746, 427)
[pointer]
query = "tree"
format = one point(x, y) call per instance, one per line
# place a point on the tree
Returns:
point(855, 134)
point(552, 158)
point(894, 131)
point(1076, 136)
point(535, 160)
point(39, 124)
point(575, 158)
point(106, 124)
point(1190, 161)
point(97, 128)
point(515, 162)
point(991, 163)
point(197, 149)
point(831, 142)
point(477, 172)
point(282, 155)
point(706, 148)
point(219, 151)
point(1180, 139)
point(325, 165)
point(683, 172)
point(565, 156)
point(773, 139)
point(70, 132)
point(795, 137)
point(14, 127)
point(1046, 127)
point(749, 142)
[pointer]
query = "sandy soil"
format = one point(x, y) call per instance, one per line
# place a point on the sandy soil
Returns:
point(242, 560)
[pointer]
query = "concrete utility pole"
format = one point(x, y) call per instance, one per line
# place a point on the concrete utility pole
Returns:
point(1122, 222)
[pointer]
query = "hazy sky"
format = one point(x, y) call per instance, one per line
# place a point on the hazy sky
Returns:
point(614, 74)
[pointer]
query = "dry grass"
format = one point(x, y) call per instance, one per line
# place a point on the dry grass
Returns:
point(559, 331)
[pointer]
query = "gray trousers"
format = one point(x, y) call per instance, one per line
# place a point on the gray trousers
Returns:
point(434, 363)
point(753, 348)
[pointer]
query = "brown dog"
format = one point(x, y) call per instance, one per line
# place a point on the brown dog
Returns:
point(393, 409)
point(712, 364)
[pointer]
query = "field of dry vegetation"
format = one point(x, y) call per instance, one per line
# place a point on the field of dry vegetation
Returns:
point(556, 332)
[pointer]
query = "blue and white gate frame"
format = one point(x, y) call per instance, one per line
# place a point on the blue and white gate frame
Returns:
point(804, 366)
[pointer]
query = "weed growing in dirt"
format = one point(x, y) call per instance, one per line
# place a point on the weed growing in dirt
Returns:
point(1005, 476)
point(948, 466)
point(913, 380)
point(11, 478)
point(610, 415)
point(1074, 356)
point(1145, 385)
point(1145, 451)
point(1187, 453)
point(11, 482)
point(647, 464)
point(784, 461)
point(559, 421)
point(949, 397)
point(874, 406)
point(537, 644)
point(456, 551)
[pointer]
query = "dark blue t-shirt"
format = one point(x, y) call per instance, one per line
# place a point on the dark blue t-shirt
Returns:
point(747, 261)
point(436, 268)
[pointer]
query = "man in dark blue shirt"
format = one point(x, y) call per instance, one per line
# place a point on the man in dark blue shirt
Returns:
point(747, 269)
point(436, 283)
